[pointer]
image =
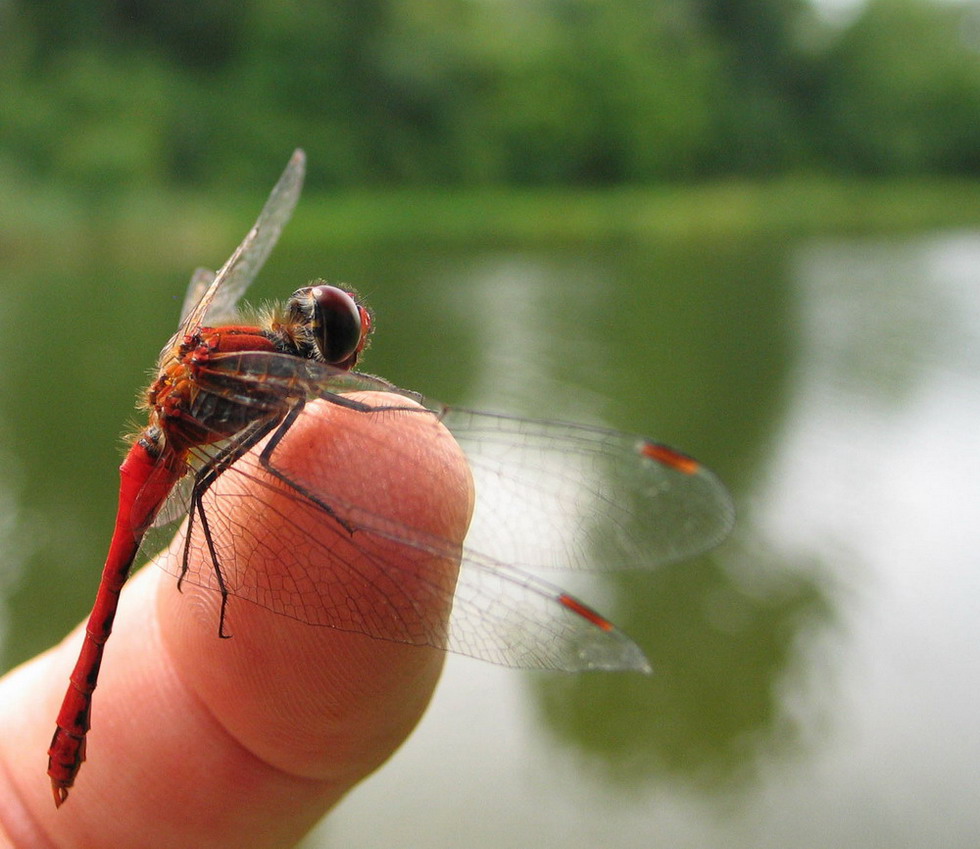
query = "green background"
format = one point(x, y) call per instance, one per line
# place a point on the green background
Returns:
point(747, 229)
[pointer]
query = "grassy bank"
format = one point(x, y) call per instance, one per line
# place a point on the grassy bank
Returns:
point(725, 210)
point(151, 227)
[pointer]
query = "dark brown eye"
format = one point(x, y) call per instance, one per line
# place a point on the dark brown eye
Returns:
point(336, 323)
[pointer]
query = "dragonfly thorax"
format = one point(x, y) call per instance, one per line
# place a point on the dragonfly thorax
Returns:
point(196, 399)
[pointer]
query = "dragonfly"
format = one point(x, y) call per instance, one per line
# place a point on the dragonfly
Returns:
point(548, 494)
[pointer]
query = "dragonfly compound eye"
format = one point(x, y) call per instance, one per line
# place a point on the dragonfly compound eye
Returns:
point(336, 324)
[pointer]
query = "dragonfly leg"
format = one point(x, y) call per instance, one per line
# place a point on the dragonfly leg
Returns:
point(265, 458)
point(289, 420)
point(361, 407)
point(203, 480)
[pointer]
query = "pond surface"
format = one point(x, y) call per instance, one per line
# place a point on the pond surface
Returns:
point(815, 677)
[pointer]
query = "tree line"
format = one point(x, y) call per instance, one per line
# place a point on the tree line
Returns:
point(486, 92)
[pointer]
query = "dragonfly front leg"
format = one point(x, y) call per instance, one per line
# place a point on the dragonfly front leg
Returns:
point(266, 457)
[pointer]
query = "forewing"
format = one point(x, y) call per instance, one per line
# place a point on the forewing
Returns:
point(201, 279)
point(553, 495)
point(550, 495)
point(235, 276)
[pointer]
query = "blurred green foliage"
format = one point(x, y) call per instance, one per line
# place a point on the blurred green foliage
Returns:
point(112, 94)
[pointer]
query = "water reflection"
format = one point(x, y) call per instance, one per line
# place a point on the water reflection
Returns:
point(524, 318)
point(873, 478)
point(16, 532)
point(569, 336)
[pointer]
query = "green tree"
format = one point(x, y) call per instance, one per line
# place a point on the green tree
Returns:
point(902, 90)
point(105, 94)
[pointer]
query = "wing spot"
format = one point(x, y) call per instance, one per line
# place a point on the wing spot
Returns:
point(667, 456)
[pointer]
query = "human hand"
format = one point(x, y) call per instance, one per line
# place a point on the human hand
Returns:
point(244, 742)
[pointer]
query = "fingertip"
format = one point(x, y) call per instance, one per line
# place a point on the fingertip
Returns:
point(213, 739)
point(328, 703)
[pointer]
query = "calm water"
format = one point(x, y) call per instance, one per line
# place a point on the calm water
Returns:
point(815, 678)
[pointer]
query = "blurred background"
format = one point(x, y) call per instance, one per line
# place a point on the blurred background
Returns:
point(750, 228)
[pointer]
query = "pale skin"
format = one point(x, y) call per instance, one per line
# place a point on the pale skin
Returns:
point(244, 742)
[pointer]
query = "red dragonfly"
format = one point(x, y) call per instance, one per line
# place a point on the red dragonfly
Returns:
point(548, 494)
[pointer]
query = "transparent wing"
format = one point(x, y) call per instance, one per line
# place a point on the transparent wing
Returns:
point(201, 279)
point(498, 613)
point(570, 496)
point(579, 497)
point(548, 495)
point(225, 289)
point(174, 509)
point(511, 618)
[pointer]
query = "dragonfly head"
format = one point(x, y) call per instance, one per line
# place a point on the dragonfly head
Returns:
point(337, 324)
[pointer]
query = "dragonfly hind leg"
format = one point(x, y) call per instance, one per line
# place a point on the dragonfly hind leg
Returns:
point(203, 481)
